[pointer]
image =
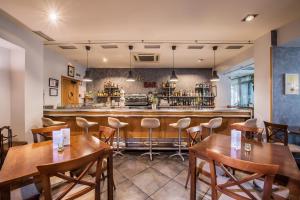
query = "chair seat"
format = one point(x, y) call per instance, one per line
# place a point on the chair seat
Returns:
point(55, 123)
point(206, 125)
point(92, 124)
point(123, 124)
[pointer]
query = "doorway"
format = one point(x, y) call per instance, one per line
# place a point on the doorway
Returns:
point(69, 91)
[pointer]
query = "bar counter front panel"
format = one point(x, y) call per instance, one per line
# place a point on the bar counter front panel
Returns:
point(135, 133)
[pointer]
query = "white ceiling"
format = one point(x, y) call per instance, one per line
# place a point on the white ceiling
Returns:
point(177, 21)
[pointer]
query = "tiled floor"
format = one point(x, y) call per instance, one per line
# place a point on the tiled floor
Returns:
point(137, 178)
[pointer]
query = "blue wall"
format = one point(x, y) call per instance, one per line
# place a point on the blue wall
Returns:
point(286, 108)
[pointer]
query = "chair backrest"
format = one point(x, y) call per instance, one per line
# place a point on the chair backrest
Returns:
point(46, 132)
point(107, 134)
point(250, 132)
point(215, 122)
point(150, 123)
point(81, 122)
point(3, 139)
point(193, 133)
point(276, 133)
point(255, 170)
point(114, 122)
point(184, 122)
point(59, 169)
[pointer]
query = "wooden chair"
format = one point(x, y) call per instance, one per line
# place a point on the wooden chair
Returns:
point(59, 169)
point(255, 170)
point(194, 136)
point(249, 132)
point(278, 133)
point(45, 132)
point(6, 142)
point(106, 134)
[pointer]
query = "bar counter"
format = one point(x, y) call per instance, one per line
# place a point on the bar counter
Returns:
point(134, 133)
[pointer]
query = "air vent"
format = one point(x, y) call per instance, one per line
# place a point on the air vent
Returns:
point(109, 46)
point(146, 57)
point(152, 46)
point(234, 47)
point(68, 47)
point(195, 47)
point(43, 35)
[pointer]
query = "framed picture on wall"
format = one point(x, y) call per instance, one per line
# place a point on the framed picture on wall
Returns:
point(291, 84)
point(53, 92)
point(71, 71)
point(53, 82)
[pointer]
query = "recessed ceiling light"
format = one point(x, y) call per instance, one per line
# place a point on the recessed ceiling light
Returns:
point(53, 16)
point(104, 60)
point(200, 60)
point(249, 17)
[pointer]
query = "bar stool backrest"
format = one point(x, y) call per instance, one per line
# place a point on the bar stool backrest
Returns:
point(215, 122)
point(150, 123)
point(114, 122)
point(184, 123)
point(81, 122)
point(47, 121)
point(251, 123)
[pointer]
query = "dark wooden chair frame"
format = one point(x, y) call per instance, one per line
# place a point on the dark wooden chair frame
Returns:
point(250, 132)
point(257, 170)
point(272, 131)
point(59, 169)
point(193, 133)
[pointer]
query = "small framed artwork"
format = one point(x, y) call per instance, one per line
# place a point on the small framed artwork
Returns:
point(71, 71)
point(53, 92)
point(292, 84)
point(53, 82)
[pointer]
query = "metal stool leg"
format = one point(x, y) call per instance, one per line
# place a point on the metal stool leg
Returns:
point(150, 153)
point(179, 153)
point(118, 152)
point(86, 130)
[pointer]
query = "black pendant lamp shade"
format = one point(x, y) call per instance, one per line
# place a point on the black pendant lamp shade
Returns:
point(173, 77)
point(215, 76)
point(130, 77)
point(87, 77)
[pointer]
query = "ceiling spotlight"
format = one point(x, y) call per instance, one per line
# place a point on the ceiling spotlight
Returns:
point(53, 16)
point(249, 17)
point(200, 60)
point(104, 60)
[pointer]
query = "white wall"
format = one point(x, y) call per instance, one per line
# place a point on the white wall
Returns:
point(55, 66)
point(5, 86)
point(223, 87)
point(262, 79)
point(16, 33)
point(289, 33)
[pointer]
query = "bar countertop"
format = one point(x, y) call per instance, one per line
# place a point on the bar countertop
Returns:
point(149, 112)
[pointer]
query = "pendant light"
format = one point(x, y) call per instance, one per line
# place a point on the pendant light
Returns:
point(215, 76)
point(87, 77)
point(130, 77)
point(173, 77)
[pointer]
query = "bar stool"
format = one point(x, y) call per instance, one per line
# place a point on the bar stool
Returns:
point(180, 124)
point(49, 122)
point(150, 123)
point(115, 123)
point(85, 124)
point(250, 123)
point(212, 124)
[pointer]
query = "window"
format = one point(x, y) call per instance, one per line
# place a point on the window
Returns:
point(242, 89)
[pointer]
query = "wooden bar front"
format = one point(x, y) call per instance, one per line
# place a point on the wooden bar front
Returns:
point(134, 131)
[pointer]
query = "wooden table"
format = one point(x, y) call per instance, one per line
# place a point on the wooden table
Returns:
point(20, 163)
point(264, 153)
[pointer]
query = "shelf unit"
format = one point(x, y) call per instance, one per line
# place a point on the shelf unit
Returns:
point(207, 94)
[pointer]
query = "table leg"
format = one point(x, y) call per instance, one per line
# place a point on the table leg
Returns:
point(5, 193)
point(192, 166)
point(110, 175)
